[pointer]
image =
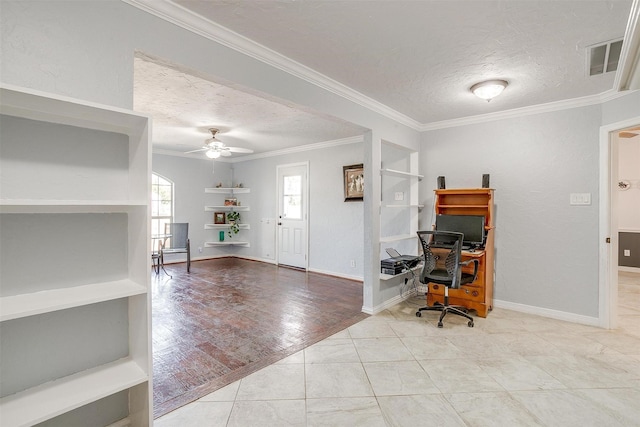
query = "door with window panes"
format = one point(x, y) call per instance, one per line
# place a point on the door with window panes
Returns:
point(292, 215)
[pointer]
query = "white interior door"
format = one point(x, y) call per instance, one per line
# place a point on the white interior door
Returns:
point(293, 202)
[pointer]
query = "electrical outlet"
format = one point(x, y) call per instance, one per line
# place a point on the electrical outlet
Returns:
point(627, 252)
point(353, 263)
point(200, 249)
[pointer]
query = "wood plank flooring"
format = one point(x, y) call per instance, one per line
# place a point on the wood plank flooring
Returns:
point(231, 317)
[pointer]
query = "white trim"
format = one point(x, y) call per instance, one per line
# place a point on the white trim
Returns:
point(334, 274)
point(300, 148)
point(297, 149)
point(190, 21)
point(566, 104)
point(628, 74)
point(546, 312)
point(381, 307)
point(628, 230)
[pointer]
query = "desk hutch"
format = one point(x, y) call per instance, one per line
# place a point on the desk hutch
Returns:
point(478, 295)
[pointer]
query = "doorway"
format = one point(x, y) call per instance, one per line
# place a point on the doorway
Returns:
point(293, 205)
point(609, 210)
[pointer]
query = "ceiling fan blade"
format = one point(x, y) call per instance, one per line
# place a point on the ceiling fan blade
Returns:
point(239, 150)
point(196, 151)
point(225, 153)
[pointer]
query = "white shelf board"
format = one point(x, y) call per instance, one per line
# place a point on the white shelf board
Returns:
point(401, 174)
point(415, 269)
point(225, 208)
point(68, 206)
point(224, 226)
point(228, 190)
point(54, 398)
point(226, 243)
point(397, 238)
point(36, 105)
point(16, 306)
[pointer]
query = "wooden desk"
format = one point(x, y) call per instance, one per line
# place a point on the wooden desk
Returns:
point(476, 296)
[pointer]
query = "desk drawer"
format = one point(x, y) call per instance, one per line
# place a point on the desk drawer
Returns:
point(469, 293)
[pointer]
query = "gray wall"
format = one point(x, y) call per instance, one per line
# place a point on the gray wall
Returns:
point(630, 242)
point(546, 250)
point(85, 50)
point(190, 177)
point(335, 227)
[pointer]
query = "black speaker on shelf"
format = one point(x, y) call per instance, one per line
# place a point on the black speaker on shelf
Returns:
point(485, 180)
point(441, 185)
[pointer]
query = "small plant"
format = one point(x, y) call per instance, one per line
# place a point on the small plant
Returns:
point(234, 222)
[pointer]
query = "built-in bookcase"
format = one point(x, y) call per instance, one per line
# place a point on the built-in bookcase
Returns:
point(399, 207)
point(74, 262)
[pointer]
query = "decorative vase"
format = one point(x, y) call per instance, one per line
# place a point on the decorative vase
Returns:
point(221, 234)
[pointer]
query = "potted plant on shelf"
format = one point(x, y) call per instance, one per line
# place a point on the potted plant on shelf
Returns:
point(234, 222)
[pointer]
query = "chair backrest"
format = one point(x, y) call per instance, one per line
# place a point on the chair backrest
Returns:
point(449, 244)
point(179, 232)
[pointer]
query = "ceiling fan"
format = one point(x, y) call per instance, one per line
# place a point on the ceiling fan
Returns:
point(215, 148)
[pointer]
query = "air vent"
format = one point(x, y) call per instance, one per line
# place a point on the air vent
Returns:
point(603, 58)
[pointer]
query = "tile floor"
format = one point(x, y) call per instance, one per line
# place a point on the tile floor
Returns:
point(394, 369)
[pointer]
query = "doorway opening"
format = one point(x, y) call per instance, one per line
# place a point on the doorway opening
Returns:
point(609, 219)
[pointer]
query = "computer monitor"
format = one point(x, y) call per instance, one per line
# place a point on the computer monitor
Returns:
point(472, 226)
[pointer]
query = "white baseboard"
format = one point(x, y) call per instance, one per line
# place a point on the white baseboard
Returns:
point(333, 273)
point(546, 312)
point(381, 307)
point(629, 269)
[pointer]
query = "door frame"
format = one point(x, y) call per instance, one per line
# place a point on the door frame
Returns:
point(608, 226)
point(305, 210)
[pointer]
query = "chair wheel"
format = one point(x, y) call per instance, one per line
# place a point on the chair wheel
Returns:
point(418, 314)
point(439, 324)
point(470, 324)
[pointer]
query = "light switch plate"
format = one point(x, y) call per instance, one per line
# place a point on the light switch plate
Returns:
point(399, 196)
point(578, 199)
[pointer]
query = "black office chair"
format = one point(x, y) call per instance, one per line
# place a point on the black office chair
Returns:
point(177, 242)
point(450, 275)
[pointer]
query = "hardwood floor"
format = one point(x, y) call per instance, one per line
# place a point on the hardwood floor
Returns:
point(230, 317)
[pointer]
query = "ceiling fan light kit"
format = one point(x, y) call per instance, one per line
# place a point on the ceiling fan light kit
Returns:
point(489, 89)
point(214, 148)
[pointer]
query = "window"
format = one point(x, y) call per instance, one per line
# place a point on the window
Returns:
point(161, 203)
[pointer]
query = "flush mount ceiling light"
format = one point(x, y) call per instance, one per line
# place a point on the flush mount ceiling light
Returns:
point(489, 89)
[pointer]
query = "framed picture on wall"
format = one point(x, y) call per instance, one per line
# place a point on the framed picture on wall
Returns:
point(219, 218)
point(353, 182)
point(231, 202)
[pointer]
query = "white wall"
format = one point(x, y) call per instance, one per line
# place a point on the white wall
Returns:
point(190, 177)
point(85, 50)
point(629, 169)
point(335, 226)
point(546, 250)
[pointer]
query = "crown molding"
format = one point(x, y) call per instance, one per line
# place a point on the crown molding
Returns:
point(628, 73)
point(526, 111)
point(188, 20)
point(298, 149)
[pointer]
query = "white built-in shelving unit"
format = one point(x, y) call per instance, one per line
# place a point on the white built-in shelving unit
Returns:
point(74, 277)
point(231, 192)
point(399, 207)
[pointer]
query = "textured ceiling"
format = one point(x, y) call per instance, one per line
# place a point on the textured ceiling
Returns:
point(184, 106)
point(418, 58)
